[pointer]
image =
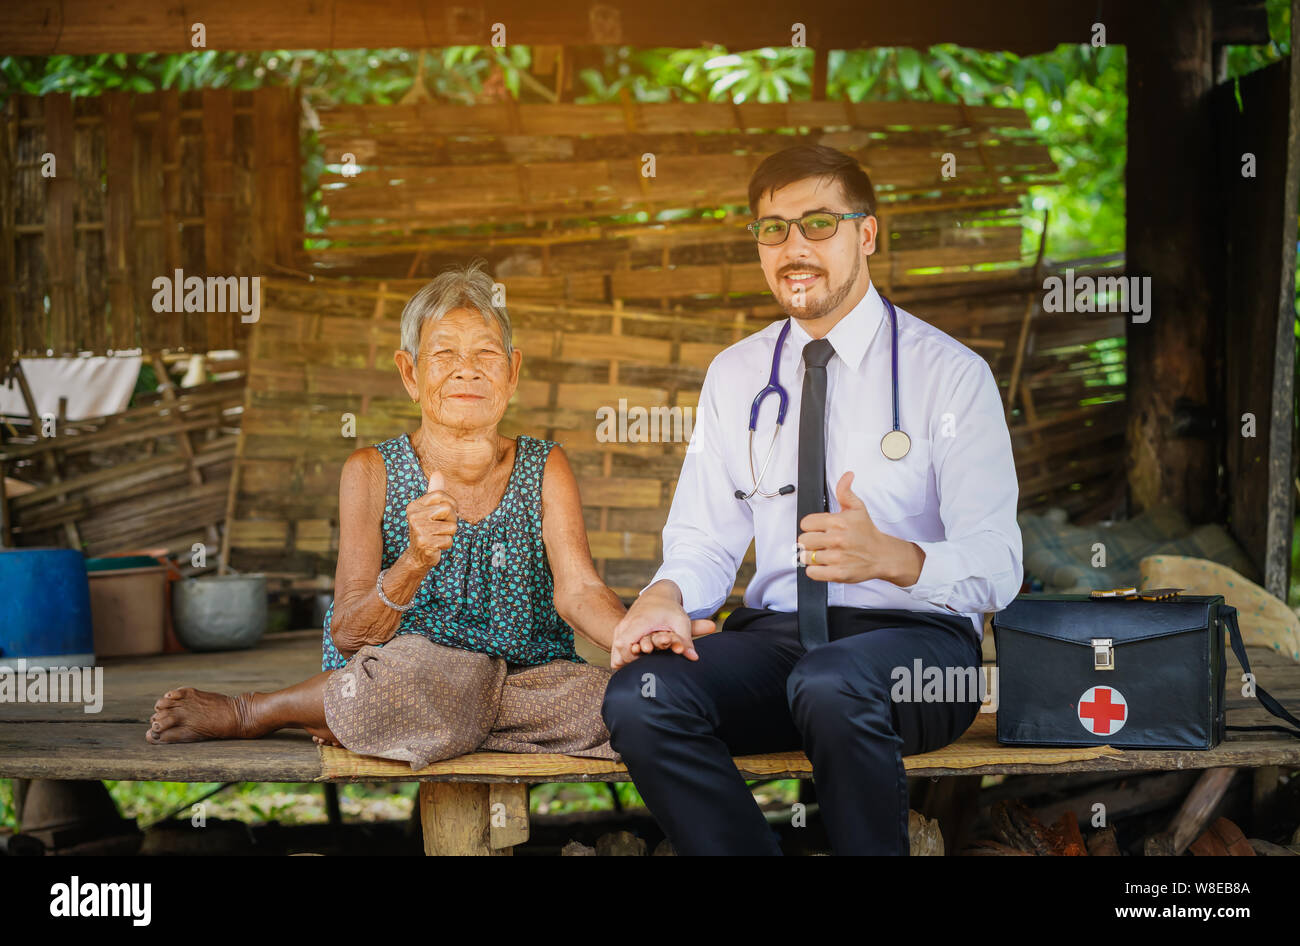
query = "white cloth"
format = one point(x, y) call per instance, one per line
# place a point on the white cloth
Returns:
point(94, 386)
point(954, 494)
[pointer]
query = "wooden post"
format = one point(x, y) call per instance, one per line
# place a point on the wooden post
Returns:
point(6, 538)
point(183, 442)
point(119, 210)
point(1171, 237)
point(52, 462)
point(473, 818)
point(1256, 301)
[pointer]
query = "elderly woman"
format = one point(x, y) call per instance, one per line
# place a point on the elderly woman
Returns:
point(463, 572)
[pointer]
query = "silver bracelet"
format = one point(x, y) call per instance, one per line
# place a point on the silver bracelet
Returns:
point(379, 589)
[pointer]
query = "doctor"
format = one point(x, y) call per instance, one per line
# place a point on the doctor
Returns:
point(884, 523)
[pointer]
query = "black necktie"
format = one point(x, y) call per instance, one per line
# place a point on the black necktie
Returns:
point(812, 483)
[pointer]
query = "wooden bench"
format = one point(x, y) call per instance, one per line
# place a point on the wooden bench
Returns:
point(478, 803)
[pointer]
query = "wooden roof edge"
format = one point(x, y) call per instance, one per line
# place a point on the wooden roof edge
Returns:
point(49, 27)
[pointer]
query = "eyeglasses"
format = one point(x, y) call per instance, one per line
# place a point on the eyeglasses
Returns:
point(820, 225)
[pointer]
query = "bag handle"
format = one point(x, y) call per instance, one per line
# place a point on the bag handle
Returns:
point(1229, 615)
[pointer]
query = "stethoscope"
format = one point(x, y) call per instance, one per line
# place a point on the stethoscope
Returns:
point(894, 445)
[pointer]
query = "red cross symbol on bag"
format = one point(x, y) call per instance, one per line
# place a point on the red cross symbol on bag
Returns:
point(1103, 711)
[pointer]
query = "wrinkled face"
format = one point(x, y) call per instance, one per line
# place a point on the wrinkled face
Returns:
point(462, 377)
point(814, 278)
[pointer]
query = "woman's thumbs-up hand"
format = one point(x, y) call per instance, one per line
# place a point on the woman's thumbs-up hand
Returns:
point(431, 522)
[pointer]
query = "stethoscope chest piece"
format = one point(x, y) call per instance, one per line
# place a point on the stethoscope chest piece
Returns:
point(895, 444)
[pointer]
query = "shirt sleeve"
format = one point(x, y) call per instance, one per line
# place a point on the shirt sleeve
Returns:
point(708, 528)
point(977, 567)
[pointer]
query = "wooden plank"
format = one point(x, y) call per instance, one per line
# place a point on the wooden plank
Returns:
point(9, 322)
point(1257, 293)
point(1170, 77)
point(620, 491)
point(257, 534)
point(148, 257)
point(118, 218)
point(92, 272)
point(142, 26)
point(289, 206)
point(276, 184)
point(59, 740)
point(507, 815)
point(626, 545)
point(219, 201)
point(61, 195)
point(167, 145)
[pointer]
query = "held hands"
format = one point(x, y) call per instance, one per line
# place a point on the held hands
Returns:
point(431, 521)
point(656, 623)
point(847, 546)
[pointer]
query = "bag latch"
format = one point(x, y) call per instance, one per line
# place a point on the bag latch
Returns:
point(1132, 594)
point(1103, 653)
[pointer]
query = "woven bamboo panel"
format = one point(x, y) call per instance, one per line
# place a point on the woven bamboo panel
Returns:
point(623, 286)
point(154, 476)
point(205, 182)
point(562, 195)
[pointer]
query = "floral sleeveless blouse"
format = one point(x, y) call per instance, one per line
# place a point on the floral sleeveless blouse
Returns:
point(492, 591)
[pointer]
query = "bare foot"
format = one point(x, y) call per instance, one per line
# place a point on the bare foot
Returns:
point(189, 715)
point(327, 742)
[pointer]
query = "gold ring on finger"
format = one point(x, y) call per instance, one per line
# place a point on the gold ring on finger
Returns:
point(812, 557)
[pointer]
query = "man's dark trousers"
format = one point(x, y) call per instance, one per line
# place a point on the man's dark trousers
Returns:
point(677, 723)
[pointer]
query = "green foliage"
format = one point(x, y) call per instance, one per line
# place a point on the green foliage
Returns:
point(8, 817)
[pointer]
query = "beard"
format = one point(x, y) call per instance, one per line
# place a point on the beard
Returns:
point(830, 301)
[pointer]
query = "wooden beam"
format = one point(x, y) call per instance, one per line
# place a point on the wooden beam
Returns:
point(457, 818)
point(1171, 238)
point(1256, 298)
point(61, 194)
point(219, 201)
point(9, 322)
point(119, 140)
point(49, 27)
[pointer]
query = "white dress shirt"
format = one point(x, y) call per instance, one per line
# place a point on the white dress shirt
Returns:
point(954, 494)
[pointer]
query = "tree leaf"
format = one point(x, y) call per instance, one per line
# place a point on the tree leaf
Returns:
point(909, 67)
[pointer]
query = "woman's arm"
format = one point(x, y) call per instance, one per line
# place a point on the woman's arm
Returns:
point(359, 616)
point(581, 598)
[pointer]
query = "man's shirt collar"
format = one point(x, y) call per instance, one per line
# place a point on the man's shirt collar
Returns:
point(852, 334)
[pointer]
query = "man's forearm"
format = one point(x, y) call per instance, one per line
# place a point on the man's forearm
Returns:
point(908, 562)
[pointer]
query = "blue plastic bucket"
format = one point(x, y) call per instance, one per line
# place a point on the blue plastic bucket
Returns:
point(45, 609)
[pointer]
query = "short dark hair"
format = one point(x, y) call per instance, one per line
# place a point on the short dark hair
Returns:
point(803, 161)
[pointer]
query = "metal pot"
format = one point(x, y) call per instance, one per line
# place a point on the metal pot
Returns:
point(220, 612)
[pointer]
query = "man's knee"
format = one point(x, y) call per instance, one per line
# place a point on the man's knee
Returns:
point(638, 702)
point(624, 706)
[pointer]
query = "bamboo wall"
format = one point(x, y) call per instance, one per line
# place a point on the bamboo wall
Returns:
point(325, 351)
point(557, 198)
point(207, 182)
point(620, 285)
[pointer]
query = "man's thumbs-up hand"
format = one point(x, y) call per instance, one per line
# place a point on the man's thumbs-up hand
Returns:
point(849, 499)
point(846, 546)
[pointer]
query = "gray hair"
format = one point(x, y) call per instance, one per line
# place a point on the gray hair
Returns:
point(458, 287)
